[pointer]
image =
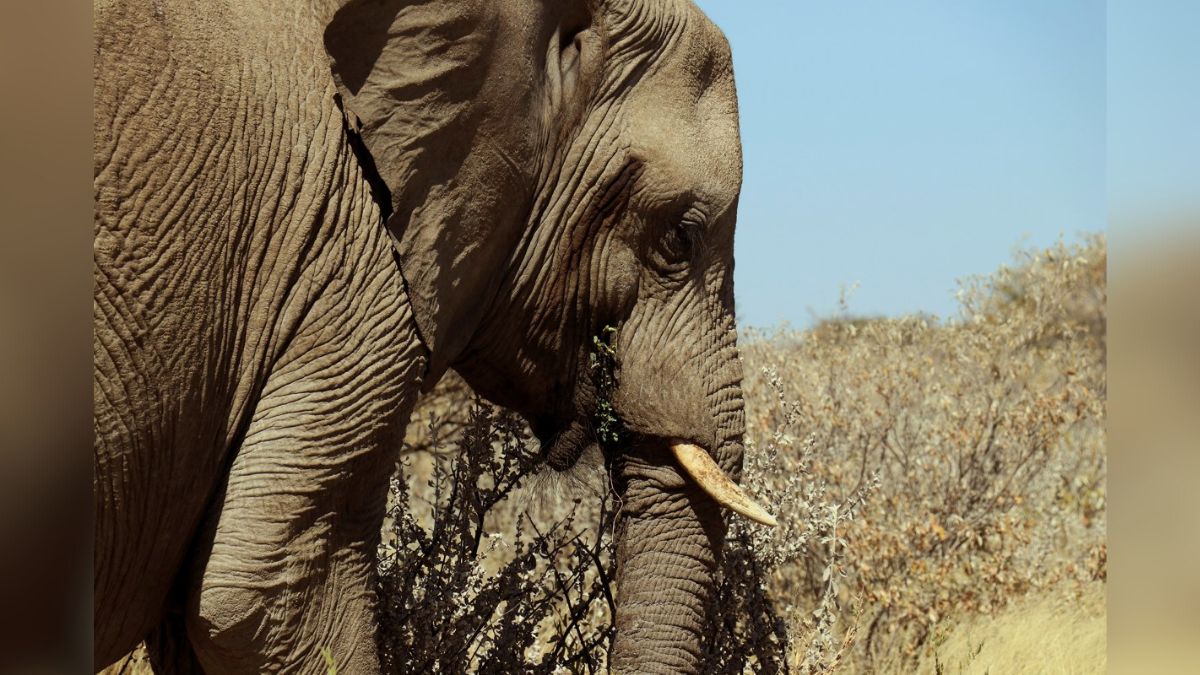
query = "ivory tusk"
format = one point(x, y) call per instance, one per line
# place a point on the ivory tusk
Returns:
point(701, 467)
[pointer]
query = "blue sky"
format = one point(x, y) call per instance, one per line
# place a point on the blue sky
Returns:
point(903, 145)
point(1153, 114)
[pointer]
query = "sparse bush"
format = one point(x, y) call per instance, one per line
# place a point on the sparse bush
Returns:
point(491, 564)
point(958, 465)
point(477, 588)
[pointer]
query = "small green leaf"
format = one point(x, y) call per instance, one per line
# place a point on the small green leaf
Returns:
point(330, 666)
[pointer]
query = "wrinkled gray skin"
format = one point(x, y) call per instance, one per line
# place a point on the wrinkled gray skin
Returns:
point(543, 168)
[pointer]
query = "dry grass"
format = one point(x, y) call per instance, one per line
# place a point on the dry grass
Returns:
point(1044, 635)
point(940, 484)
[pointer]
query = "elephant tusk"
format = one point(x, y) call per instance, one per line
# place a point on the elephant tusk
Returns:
point(701, 467)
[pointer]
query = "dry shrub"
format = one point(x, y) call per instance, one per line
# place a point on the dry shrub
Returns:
point(928, 471)
point(480, 587)
point(491, 563)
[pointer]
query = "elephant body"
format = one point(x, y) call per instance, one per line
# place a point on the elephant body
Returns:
point(240, 271)
point(307, 211)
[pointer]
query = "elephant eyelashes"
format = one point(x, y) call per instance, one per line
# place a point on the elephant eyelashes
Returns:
point(680, 243)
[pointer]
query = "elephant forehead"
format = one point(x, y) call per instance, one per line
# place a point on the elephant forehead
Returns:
point(684, 116)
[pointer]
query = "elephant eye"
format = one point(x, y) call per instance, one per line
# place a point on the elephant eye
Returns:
point(681, 240)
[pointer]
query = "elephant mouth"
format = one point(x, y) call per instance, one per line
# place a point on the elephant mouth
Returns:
point(562, 443)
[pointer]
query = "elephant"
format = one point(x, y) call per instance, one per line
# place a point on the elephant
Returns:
point(308, 212)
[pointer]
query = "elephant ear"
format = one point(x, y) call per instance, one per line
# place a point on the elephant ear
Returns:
point(449, 99)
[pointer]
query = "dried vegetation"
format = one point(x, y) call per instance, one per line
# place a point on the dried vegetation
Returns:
point(932, 472)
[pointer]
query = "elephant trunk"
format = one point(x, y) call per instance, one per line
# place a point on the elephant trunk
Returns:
point(668, 541)
point(677, 479)
point(673, 497)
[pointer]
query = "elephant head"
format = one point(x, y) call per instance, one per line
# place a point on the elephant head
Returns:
point(550, 169)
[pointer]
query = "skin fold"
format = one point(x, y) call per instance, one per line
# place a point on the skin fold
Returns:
point(306, 212)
